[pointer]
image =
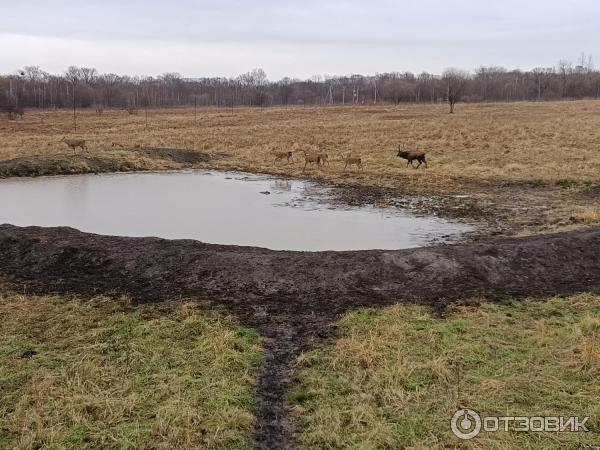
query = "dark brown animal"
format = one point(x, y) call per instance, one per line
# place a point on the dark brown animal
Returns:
point(411, 156)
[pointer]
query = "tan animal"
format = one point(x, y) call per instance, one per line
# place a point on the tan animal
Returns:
point(353, 160)
point(324, 158)
point(410, 156)
point(279, 156)
point(311, 158)
point(74, 143)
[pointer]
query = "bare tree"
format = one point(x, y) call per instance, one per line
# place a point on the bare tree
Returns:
point(73, 77)
point(455, 81)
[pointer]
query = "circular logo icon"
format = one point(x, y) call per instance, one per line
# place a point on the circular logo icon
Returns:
point(466, 424)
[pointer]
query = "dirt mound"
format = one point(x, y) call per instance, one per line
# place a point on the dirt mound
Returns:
point(126, 160)
point(178, 155)
point(292, 296)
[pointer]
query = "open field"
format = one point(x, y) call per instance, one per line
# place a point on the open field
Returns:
point(396, 376)
point(82, 370)
point(535, 166)
point(106, 374)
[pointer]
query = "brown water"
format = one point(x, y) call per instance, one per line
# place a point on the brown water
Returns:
point(214, 207)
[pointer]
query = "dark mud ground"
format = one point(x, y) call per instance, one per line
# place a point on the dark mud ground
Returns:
point(293, 297)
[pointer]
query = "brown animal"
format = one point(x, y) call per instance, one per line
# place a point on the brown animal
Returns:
point(282, 155)
point(310, 158)
point(324, 158)
point(74, 143)
point(99, 110)
point(411, 156)
point(353, 160)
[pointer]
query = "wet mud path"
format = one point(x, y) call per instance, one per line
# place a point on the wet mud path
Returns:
point(293, 297)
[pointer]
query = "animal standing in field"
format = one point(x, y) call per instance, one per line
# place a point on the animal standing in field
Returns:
point(311, 159)
point(279, 156)
point(410, 156)
point(74, 143)
point(324, 158)
point(99, 110)
point(353, 160)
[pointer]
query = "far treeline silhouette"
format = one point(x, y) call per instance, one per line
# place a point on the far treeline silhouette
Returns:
point(31, 87)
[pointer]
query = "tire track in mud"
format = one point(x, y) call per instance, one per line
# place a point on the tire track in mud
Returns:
point(293, 297)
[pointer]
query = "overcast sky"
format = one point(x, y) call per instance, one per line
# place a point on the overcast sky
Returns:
point(297, 39)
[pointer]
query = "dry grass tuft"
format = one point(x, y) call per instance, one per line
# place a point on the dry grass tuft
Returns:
point(97, 374)
point(397, 376)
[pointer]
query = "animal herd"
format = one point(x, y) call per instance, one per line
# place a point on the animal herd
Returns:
point(322, 158)
point(316, 159)
point(310, 158)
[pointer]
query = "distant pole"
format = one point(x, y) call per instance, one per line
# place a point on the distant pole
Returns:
point(74, 111)
point(375, 93)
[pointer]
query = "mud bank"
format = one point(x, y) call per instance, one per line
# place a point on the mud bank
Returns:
point(292, 297)
point(125, 160)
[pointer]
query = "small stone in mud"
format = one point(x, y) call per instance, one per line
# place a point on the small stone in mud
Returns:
point(265, 192)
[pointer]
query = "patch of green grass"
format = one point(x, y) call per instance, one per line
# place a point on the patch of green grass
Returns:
point(100, 374)
point(395, 380)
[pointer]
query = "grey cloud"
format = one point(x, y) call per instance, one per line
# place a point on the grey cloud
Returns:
point(301, 37)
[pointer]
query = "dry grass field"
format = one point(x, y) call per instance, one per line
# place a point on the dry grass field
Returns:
point(543, 158)
point(396, 376)
point(103, 374)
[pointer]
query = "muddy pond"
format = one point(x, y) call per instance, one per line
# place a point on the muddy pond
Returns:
point(215, 207)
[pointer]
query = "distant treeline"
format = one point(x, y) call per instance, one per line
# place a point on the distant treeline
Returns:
point(85, 87)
